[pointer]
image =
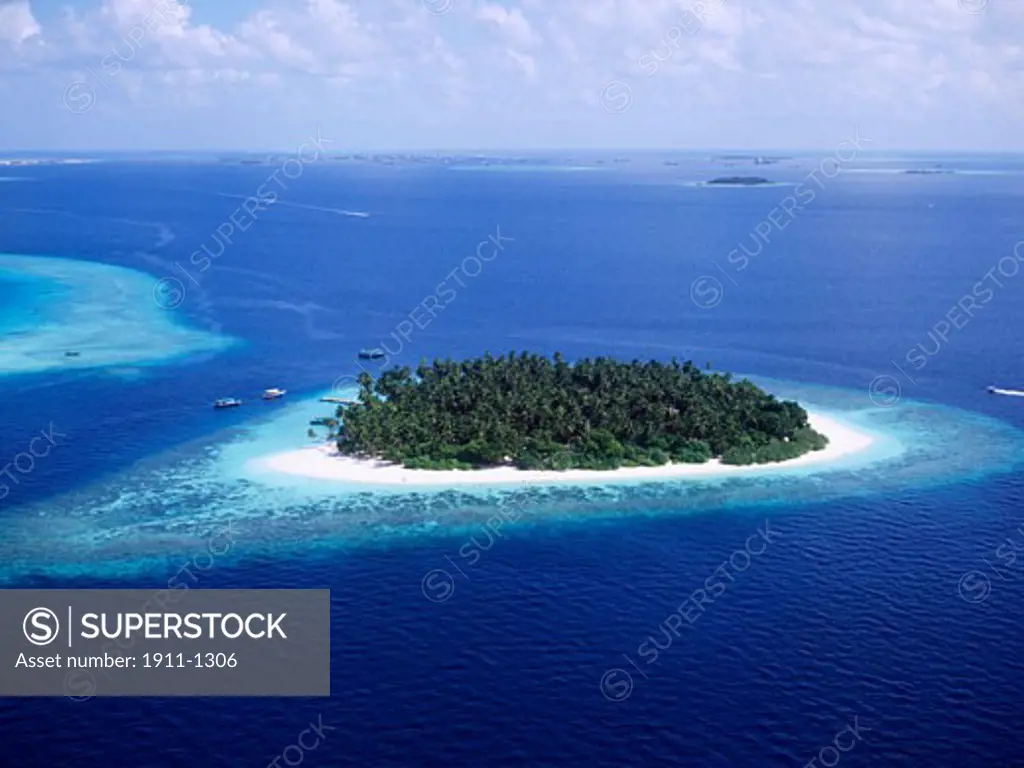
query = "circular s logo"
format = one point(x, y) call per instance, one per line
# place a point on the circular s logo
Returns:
point(79, 685)
point(345, 385)
point(41, 626)
point(438, 7)
point(168, 292)
point(616, 685)
point(974, 7)
point(438, 585)
point(707, 292)
point(616, 97)
point(79, 97)
point(974, 587)
point(885, 391)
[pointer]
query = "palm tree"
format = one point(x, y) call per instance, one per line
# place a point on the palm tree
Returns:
point(595, 412)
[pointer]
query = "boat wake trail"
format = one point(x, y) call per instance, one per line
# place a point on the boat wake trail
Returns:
point(304, 206)
point(1007, 392)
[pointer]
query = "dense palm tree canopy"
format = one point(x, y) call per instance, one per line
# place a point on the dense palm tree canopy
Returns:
point(537, 413)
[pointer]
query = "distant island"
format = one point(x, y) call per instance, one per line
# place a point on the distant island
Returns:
point(419, 160)
point(530, 412)
point(20, 162)
point(756, 159)
point(739, 181)
point(929, 171)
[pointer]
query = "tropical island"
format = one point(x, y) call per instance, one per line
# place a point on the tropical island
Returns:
point(740, 181)
point(757, 159)
point(529, 412)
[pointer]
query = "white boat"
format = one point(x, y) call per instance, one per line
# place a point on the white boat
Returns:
point(274, 393)
point(1008, 392)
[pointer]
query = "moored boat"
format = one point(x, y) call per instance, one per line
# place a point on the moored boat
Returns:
point(274, 393)
point(227, 402)
point(372, 354)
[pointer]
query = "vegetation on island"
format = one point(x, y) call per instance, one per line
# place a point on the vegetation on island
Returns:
point(532, 412)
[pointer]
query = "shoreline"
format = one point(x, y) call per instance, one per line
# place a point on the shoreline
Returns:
point(322, 462)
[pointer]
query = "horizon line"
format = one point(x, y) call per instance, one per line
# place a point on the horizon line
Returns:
point(507, 150)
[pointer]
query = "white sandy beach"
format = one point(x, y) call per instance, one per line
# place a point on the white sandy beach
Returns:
point(323, 463)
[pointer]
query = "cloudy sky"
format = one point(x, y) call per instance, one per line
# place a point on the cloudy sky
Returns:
point(484, 74)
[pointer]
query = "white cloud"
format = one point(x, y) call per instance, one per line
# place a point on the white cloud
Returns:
point(265, 33)
point(912, 67)
point(17, 24)
point(523, 63)
point(510, 23)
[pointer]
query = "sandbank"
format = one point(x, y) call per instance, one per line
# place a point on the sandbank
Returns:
point(109, 314)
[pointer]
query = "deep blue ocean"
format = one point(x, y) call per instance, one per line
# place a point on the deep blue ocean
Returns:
point(889, 601)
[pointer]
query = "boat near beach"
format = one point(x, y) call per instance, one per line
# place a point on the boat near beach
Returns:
point(274, 393)
point(227, 402)
point(372, 354)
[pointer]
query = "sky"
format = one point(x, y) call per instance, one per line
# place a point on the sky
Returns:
point(511, 74)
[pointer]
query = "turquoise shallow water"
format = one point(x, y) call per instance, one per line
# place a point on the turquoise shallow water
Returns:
point(27, 301)
point(163, 504)
point(110, 314)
